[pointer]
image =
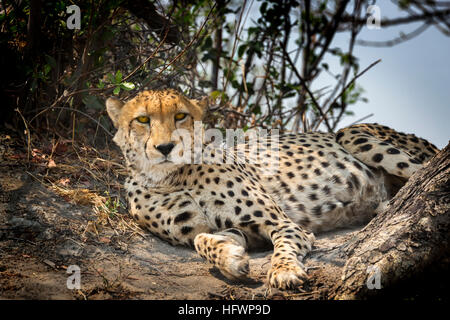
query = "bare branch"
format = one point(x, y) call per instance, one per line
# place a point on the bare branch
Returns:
point(398, 40)
point(146, 10)
point(302, 81)
point(400, 21)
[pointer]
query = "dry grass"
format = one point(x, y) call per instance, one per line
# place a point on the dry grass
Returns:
point(82, 175)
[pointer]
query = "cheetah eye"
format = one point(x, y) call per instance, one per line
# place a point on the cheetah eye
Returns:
point(180, 116)
point(143, 119)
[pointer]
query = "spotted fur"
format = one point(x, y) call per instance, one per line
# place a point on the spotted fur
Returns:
point(324, 181)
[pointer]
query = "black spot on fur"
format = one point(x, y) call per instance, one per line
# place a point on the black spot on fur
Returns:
point(258, 213)
point(255, 228)
point(312, 196)
point(378, 157)
point(317, 210)
point(402, 165)
point(392, 151)
point(184, 216)
point(218, 222)
point(360, 140)
point(365, 148)
point(185, 230)
point(184, 204)
point(228, 223)
point(354, 179)
point(340, 165)
point(336, 179)
point(357, 165)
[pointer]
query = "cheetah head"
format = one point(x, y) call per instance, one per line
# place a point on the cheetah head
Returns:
point(149, 128)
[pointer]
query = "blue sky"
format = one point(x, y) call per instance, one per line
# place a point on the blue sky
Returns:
point(410, 89)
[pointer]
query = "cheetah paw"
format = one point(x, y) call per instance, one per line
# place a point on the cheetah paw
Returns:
point(286, 276)
point(236, 263)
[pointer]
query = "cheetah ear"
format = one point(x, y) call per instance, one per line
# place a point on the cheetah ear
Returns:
point(114, 106)
point(201, 104)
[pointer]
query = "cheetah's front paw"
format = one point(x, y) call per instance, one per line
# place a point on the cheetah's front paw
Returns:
point(286, 276)
point(235, 263)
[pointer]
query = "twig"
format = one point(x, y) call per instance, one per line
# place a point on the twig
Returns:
point(363, 118)
point(28, 134)
point(395, 41)
point(233, 50)
point(402, 20)
point(182, 51)
point(72, 109)
point(348, 85)
point(342, 81)
point(302, 81)
point(148, 59)
point(354, 79)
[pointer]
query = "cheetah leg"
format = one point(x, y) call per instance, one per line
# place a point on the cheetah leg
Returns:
point(379, 154)
point(291, 244)
point(226, 250)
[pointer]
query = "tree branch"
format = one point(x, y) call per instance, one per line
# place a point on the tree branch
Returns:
point(146, 10)
point(403, 20)
point(302, 81)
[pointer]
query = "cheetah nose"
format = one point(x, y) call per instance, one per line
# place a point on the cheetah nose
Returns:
point(165, 148)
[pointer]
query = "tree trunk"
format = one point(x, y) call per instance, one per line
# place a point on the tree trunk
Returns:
point(34, 28)
point(407, 242)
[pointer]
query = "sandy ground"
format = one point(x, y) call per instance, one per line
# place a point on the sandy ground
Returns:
point(42, 233)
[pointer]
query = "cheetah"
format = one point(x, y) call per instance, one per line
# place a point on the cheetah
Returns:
point(323, 181)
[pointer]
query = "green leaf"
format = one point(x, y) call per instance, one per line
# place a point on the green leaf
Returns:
point(118, 78)
point(207, 44)
point(127, 86)
point(116, 91)
point(50, 60)
point(110, 77)
point(47, 69)
point(215, 94)
point(241, 50)
point(101, 84)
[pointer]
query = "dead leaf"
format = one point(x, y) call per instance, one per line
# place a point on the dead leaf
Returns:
point(51, 164)
point(63, 182)
point(104, 240)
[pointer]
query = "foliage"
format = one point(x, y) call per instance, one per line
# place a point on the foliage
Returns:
point(257, 60)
